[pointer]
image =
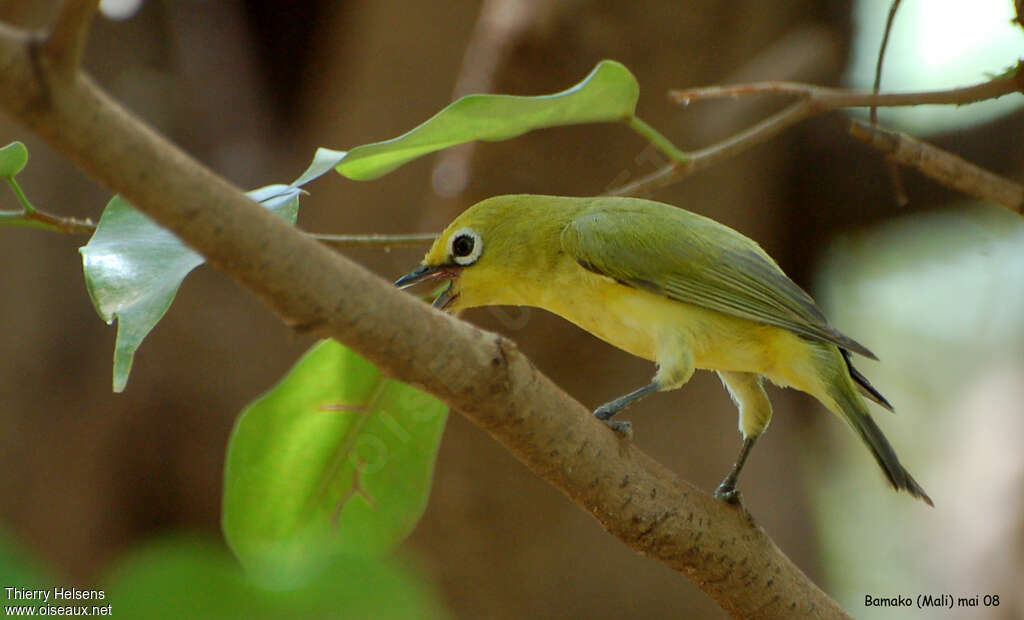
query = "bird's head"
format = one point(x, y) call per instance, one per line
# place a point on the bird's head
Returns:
point(490, 249)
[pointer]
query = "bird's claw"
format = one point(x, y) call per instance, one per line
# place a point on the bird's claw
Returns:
point(728, 493)
point(621, 427)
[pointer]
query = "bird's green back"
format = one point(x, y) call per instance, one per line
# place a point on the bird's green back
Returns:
point(693, 259)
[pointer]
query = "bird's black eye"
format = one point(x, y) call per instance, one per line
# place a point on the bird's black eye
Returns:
point(462, 246)
point(465, 246)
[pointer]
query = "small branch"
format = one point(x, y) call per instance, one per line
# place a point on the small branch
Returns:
point(698, 160)
point(943, 166)
point(831, 98)
point(65, 40)
point(666, 175)
point(45, 221)
point(894, 169)
point(75, 226)
point(815, 100)
point(761, 132)
point(30, 217)
point(893, 8)
point(412, 240)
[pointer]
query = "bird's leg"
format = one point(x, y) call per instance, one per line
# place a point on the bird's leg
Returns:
point(747, 390)
point(607, 410)
point(675, 367)
point(727, 490)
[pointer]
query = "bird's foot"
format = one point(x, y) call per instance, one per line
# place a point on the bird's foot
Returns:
point(621, 427)
point(727, 493)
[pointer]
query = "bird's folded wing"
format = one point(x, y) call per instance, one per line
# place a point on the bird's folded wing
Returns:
point(695, 260)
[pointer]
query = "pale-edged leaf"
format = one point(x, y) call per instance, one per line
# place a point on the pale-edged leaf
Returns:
point(133, 268)
point(609, 93)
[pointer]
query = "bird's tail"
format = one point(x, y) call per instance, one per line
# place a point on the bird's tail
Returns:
point(851, 407)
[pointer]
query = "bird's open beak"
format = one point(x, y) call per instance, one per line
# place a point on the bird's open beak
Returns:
point(426, 273)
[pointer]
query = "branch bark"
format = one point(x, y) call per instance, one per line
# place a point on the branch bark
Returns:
point(943, 166)
point(482, 375)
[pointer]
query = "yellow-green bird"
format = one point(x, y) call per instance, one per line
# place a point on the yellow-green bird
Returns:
point(666, 285)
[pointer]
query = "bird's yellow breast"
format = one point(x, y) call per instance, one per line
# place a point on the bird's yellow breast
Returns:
point(641, 322)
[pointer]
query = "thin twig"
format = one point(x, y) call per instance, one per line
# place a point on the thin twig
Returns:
point(75, 226)
point(377, 241)
point(761, 132)
point(894, 169)
point(893, 8)
point(65, 40)
point(815, 100)
point(30, 217)
point(831, 98)
point(45, 221)
point(943, 166)
point(698, 160)
point(661, 177)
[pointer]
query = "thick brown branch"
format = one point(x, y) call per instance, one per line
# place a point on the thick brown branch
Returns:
point(480, 374)
point(943, 166)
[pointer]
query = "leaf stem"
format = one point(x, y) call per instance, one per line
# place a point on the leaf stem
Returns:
point(659, 141)
point(20, 195)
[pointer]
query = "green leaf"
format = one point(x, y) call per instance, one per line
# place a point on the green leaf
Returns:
point(13, 158)
point(608, 94)
point(133, 268)
point(18, 570)
point(323, 160)
point(188, 577)
point(335, 459)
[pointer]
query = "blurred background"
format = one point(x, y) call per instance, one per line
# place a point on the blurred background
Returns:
point(251, 88)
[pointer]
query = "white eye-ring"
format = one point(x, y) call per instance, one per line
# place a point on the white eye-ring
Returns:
point(465, 246)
